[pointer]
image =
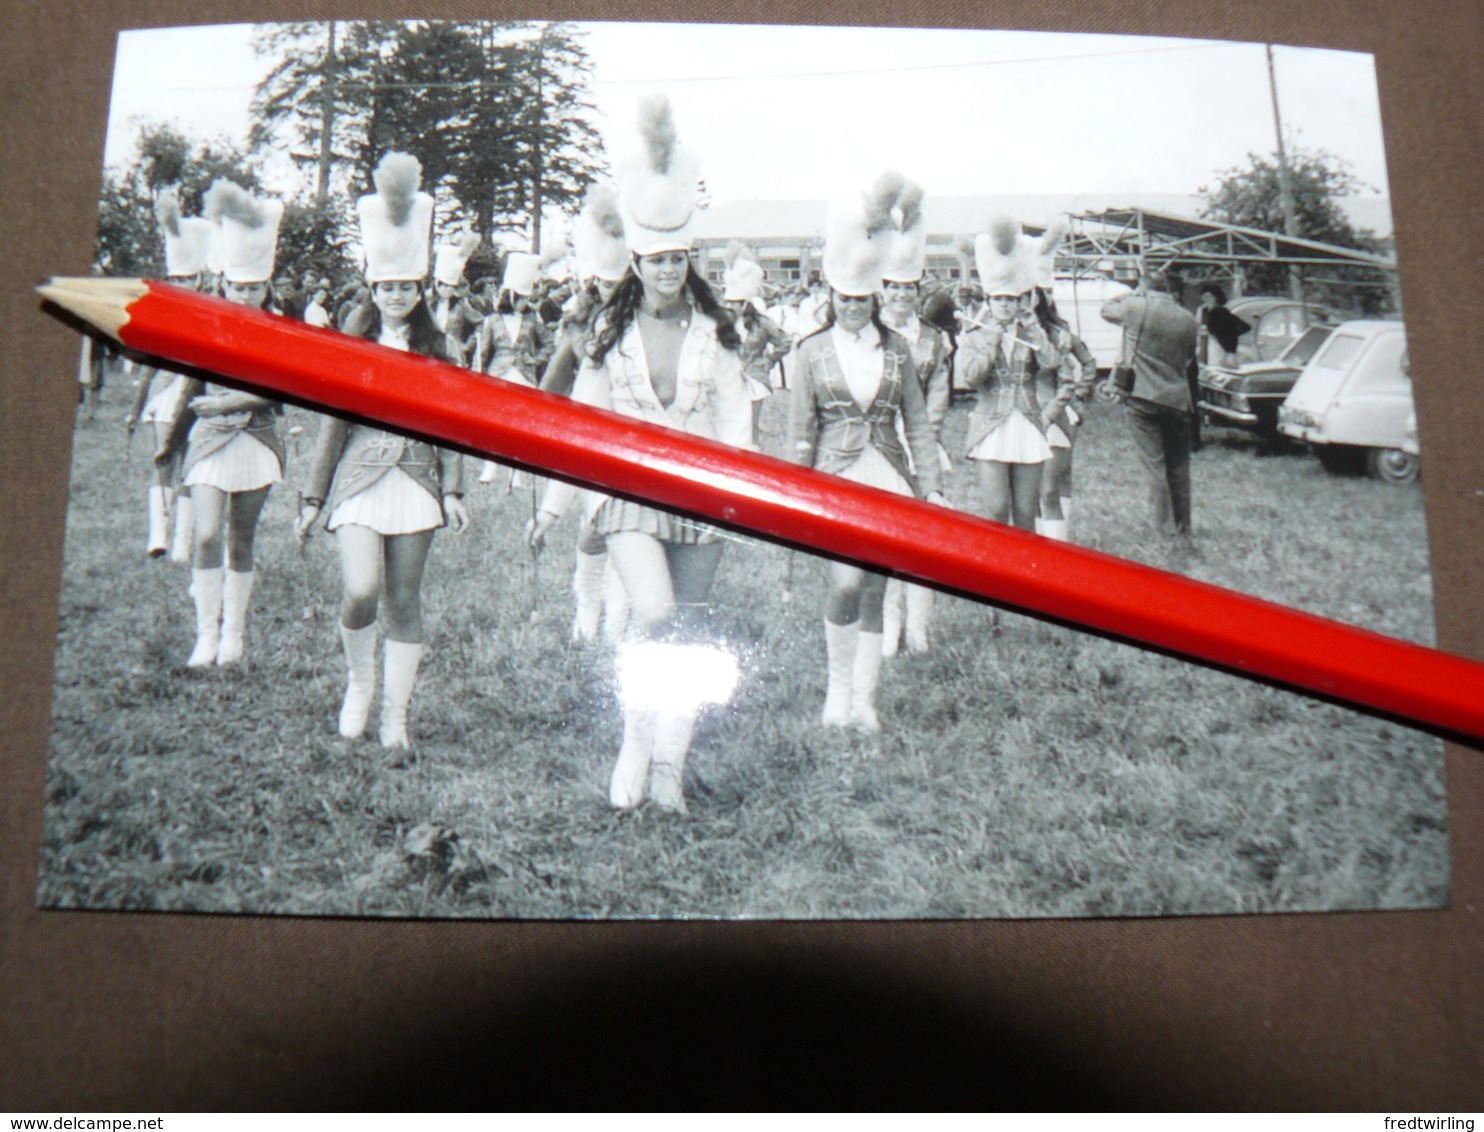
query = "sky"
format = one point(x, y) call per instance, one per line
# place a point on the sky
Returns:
point(814, 112)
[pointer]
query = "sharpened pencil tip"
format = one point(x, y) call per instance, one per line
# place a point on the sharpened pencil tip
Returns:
point(102, 303)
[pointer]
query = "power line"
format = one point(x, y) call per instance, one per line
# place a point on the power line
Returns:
point(786, 75)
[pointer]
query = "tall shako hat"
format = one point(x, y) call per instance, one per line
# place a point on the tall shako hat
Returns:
point(742, 278)
point(658, 191)
point(449, 259)
point(907, 252)
point(598, 244)
point(396, 221)
point(1045, 250)
point(187, 239)
point(522, 270)
point(1005, 258)
point(858, 232)
point(247, 228)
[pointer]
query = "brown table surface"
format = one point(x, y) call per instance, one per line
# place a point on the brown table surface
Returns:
point(1339, 1011)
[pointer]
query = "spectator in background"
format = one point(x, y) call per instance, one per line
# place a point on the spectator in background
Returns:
point(316, 313)
point(286, 294)
point(1220, 329)
point(1159, 342)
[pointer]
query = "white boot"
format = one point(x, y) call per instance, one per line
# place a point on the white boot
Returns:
point(631, 771)
point(185, 529)
point(488, 472)
point(1054, 529)
point(919, 614)
point(864, 677)
point(672, 737)
point(891, 618)
point(159, 520)
point(615, 607)
point(587, 585)
point(840, 650)
point(360, 683)
point(206, 591)
point(1040, 525)
point(236, 594)
point(398, 676)
point(1066, 514)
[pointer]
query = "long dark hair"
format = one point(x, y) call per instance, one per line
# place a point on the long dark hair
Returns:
point(1046, 312)
point(423, 335)
point(623, 307)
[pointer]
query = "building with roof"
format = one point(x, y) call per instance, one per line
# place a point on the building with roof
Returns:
point(787, 236)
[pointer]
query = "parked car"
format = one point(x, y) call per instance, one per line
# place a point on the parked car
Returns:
point(1248, 396)
point(1275, 324)
point(1353, 403)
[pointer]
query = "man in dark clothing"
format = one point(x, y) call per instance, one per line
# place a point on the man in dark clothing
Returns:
point(1159, 340)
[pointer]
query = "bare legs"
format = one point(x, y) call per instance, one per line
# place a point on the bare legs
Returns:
point(225, 528)
point(1010, 493)
point(667, 586)
point(373, 566)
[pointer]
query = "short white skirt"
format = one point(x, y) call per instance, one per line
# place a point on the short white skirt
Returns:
point(396, 504)
point(758, 390)
point(874, 470)
point(1014, 441)
point(163, 405)
point(1056, 437)
point(242, 464)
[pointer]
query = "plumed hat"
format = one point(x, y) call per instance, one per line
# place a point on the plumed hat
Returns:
point(187, 239)
point(449, 259)
point(522, 270)
point(742, 278)
point(1005, 258)
point(907, 252)
point(1045, 249)
point(598, 244)
point(657, 192)
point(396, 221)
point(247, 229)
point(858, 234)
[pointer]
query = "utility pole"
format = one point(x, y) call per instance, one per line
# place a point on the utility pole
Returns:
point(1285, 180)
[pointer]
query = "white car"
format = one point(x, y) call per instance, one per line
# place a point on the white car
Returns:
point(1353, 403)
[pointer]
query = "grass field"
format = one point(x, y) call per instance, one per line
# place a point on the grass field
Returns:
point(1022, 771)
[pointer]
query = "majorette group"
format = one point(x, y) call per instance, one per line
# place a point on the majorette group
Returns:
point(643, 334)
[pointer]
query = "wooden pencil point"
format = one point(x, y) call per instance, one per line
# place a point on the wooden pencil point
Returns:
point(102, 303)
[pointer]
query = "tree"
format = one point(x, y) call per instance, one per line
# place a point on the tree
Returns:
point(316, 99)
point(129, 242)
point(498, 113)
point(1250, 196)
point(424, 99)
point(556, 151)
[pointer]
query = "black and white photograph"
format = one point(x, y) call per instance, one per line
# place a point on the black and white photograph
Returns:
point(1137, 295)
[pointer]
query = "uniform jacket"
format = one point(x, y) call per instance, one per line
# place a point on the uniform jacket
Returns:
point(1005, 386)
point(1159, 337)
point(930, 356)
point(829, 430)
point(204, 435)
point(711, 398)
point(1074, 377)
point(496, 355)
point(355, 455)
point(763, 346)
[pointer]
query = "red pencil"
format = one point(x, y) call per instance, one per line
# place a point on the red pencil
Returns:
point(761, 495)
